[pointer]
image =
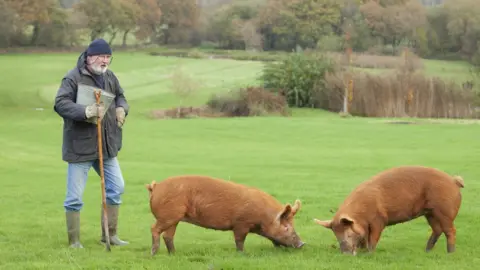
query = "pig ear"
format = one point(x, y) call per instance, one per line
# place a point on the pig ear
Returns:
point(150, 186)
point(325, 223)
point(346, 220)
point(296, 207)
point(285, 213)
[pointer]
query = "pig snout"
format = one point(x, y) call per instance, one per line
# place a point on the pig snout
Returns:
point(347, 248)
point(291, 240)
point(299, 244)
point(296, 241)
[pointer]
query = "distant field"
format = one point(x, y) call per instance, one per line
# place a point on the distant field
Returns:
point(457, 71)
point(453, 70)
point(315, 156)
point(146, 79)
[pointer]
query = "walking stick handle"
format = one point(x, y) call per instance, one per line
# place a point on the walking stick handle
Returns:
point(98, 93)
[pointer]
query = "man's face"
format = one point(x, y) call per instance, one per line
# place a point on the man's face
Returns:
point(99, 63)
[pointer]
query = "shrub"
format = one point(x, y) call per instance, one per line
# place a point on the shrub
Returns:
point(183, 86)
point(250, 101)
point(299, 75)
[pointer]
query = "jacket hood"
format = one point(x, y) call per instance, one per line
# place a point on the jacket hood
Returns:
point(81, 61)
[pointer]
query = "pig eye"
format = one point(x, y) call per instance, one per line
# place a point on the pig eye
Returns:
point(286, 228)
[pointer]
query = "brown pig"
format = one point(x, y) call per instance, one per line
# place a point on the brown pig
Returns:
point(397, 195)
point(220, 205)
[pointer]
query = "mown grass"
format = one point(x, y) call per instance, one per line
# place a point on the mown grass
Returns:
point(316, 157)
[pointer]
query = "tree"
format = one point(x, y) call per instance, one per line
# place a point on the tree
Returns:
point(57, 32)
point(124, 17)
point(250, 36)
point(148, 20)
point(9, 24)
point(302, 21)
point(33, 13)
point(179, 16)
point(97, 13)
point(438, 39)
point(394, 23)
point(234, 27)
point(464, 25)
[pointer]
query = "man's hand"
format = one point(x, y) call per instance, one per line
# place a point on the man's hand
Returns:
point(120, 111)
point(94, 110)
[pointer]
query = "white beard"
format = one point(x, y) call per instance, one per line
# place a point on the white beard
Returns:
point(98, 69)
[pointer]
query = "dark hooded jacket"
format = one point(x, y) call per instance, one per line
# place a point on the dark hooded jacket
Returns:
point(80, 137)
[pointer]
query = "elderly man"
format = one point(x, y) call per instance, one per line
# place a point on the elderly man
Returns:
point(79, 147)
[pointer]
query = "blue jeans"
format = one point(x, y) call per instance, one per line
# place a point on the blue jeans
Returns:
point(77, 178)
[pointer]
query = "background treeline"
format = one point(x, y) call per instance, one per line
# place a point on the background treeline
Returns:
point(447, 29)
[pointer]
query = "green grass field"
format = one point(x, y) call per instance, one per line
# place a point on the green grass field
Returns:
point(314, 156)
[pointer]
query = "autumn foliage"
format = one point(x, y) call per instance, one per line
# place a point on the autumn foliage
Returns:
point(374, 26)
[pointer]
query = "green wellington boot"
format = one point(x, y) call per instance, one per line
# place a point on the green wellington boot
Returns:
point(112, 215)
point(73, 229)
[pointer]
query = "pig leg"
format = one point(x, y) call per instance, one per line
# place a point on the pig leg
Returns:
point(373, 236)
point(168, 235)
point(156, 231)
point(436, 232)
point(450, 232)
point(240, 234)
point(165, 221)
point(446, 222)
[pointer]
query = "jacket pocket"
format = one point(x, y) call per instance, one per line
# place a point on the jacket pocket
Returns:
point(84, 146)
point(118, 137)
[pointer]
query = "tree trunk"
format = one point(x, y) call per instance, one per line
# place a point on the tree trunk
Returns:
point(124, 39)
point(112, 38)
point(166, 36)
point(36, 31)
point(93, 35)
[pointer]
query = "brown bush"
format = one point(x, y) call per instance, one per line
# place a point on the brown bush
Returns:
point(184, 112)
point(250, 101)
point(400, 94)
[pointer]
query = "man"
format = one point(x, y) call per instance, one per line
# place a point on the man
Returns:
point(79, 148)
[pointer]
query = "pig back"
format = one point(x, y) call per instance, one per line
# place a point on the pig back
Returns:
point(408, 191)
point(214, 203)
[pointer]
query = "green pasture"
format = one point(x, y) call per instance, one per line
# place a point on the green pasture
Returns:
point(314, 156)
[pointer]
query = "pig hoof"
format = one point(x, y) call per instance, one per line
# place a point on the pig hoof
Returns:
point(350, 253)
point(76, 245)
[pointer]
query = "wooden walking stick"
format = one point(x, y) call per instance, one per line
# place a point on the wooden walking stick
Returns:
point(98, 93)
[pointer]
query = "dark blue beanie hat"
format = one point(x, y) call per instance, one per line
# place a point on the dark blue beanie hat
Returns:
point(99, 46)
